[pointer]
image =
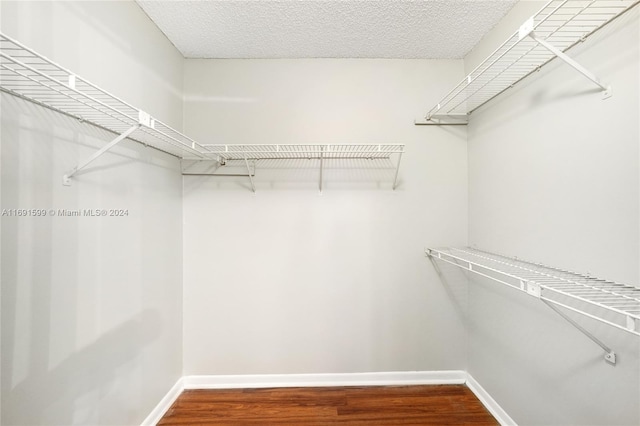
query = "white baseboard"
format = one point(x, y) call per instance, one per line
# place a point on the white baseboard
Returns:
point(308, 380)
point(317, 380)
point(494, 408)
point(165, 403)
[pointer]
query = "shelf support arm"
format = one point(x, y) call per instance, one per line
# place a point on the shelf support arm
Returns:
point(582, 70)
point(246, 163)
point(527, 30)
point(321, 166)
point(66, 179)
point(395, 178)
point(609, 356)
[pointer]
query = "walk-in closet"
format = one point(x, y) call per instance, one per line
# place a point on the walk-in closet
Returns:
point(320, 212)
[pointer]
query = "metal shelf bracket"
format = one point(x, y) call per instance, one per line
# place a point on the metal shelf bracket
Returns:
point(395, 177)
point(246, 163)
point(451, 119)
point(321, 167)
point(66, 179)
point(526, 30)
point(609, 356)
point(144, 119)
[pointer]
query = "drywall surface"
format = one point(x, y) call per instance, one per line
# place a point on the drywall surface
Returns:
point(509, 25)
point(91, 306)
point(554, 178)
point(293, 281)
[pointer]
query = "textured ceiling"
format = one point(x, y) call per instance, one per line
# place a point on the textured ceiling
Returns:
point(326, 28)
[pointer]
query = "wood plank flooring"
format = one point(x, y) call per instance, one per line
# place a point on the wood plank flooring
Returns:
point(370, 405)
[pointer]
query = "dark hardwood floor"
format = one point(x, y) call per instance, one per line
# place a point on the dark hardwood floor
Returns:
point(371, 405)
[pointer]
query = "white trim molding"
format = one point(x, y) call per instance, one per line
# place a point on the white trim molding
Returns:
point(447, 377)
point(165, 403)
point(313, 380)
point(494, 408)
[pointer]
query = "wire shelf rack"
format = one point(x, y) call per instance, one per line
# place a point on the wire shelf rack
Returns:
point(320, 152)
point(314, 151)
point(612, 303)
point(560, 23)
point(29, 75)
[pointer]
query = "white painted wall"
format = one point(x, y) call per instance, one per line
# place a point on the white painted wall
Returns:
point(504, 29)
point(91, 307)
point(291, 281)
point(554, 178)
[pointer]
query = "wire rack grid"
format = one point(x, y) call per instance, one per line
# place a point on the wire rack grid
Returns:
point(304, 151)
point(562, 23)
point(29, 75)
point(606, 301)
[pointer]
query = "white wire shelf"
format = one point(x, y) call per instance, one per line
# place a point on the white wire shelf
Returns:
point(322, 152)
point(609, 302)
point(612, 303)
point(560, 24)
point(313, 151)
point(29, 75)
